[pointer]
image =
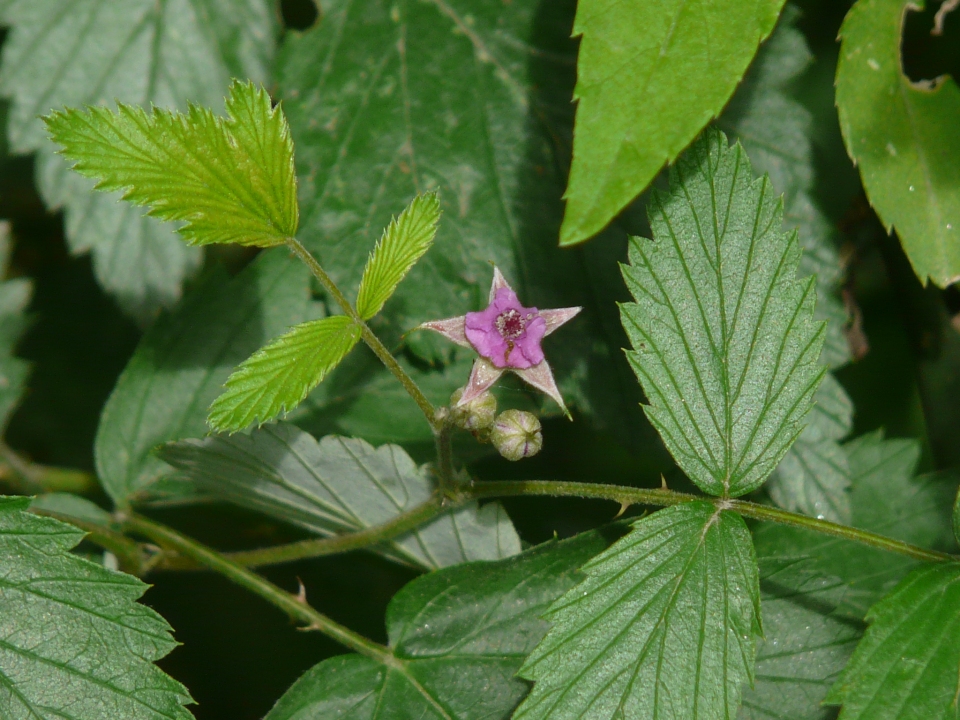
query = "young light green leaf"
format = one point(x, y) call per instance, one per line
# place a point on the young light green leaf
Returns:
point(340, 485)
point(814, 475)
point(724, 342)
point(71, 54)
point(663, 627)
point(805, 644)
point(180, 366)
point(908, 663)
point(278, 376)
point(231, 180)
point(75, 642)
point(679, 62)
point(404, 242)
point(908, 153)
point(457, 636)
point(886, 498)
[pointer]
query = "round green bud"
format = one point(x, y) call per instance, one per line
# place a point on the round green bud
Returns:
point(516, 434)
point(476, 415)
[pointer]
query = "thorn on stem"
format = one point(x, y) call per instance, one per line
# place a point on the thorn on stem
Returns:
point(663, 482)
point(301, 592)
point(623, 508)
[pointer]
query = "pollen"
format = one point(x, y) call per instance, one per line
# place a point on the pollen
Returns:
point(510, 324)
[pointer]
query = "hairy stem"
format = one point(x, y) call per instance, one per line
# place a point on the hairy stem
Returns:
point(294, 606)
point(372, 341)
point(445, 469)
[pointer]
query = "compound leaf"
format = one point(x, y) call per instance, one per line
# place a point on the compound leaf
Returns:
point(680, 62)
point(70, 53)
point(724, 341)
point(908, 663)
point(231, 180)
point(903, 136)
point(404, 242)
point(663, 627)
point(278, 376)
point(75, 642)
point(457, 637)
point(340, 485)
point(181, 363)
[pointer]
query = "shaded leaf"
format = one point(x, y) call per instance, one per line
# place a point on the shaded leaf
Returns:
point(278, 376)
point(75, 642)
point(903, 137)
point(663, 627)
point(181, 364)
point(907, 665)
point(231, 180)
point(72, 506)
point(677, 61)
point(457, 637)
point(405, 240)
point(81, 52)
point(340, 485)
point(14, 297)
point(724, 342)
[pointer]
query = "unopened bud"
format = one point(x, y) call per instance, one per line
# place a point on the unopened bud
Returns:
point(516, 434)
point(476, 415)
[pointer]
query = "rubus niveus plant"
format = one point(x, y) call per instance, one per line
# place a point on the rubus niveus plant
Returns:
point(291, 408)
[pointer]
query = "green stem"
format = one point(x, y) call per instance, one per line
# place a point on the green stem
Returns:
point(445, 471)
point(32, 479)
point(372, 341)
point(295, 607)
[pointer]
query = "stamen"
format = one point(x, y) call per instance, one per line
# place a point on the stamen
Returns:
point(510, 324)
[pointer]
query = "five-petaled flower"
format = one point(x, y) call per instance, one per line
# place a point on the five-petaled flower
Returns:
point(506, 336)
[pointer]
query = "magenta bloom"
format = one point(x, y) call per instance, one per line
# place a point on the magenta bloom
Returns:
point(506, 335)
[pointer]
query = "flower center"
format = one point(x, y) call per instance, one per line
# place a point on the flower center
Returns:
point(510, 324)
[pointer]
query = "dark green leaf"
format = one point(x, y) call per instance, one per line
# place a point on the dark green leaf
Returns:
point(278, 376)
point(663, 627)
point(77, 52)
point(75, 642)
point(338, 485)
point(908, 663)
point(68, 505)
point(231, 180)
point(182, 362)
point(884, 498)
point(680, 63)
point(404, 242)
point(458, 637)
point(903, 137)
point(724, 341)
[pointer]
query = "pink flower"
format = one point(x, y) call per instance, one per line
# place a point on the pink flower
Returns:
point(506, 336)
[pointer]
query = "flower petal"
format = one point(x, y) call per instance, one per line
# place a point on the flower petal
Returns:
point(541, 377)
point(482, 376)
point(558, 316)
point(452, 329)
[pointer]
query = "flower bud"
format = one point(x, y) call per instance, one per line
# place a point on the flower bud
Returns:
point(476, 415)
point(516, 434)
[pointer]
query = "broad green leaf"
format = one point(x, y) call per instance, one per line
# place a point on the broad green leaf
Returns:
point(903, 137)
point(85, 52)
point(886, 498)
point(649, 77)
point(182, 362)
point(14, 296)
point(404, 242)
point(908, 663)
point(724, 342)
point(68, 505)
point(775, 129)
point(340, 485)
point(278, 376)
point(457, 636)
point(231, 180)
point(75, 642)
point(805, 644)
point(814, 475)
point(663, 627)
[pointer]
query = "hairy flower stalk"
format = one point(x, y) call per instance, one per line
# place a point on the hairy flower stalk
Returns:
point(507, 336)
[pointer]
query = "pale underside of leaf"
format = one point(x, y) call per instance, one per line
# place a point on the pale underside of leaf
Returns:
point(89, 52)
point(903, 137)
point(663, 627)
point(724, 341)
point(341, 485)
point(678, 61)
point(75, 644)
